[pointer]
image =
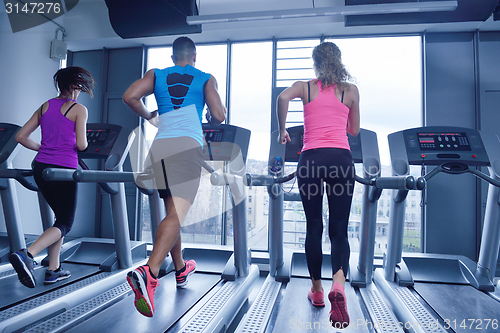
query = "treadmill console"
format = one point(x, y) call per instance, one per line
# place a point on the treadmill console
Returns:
point(436, 145)
point(294, 147)
point(441, 141)
point(214, 135)
point(2, 133)
point(224, 142)
point(7, 140)
point(102, 140)
point(107, 141)
point(97, 137)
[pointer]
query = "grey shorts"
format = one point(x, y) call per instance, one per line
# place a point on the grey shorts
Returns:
point(176, 163)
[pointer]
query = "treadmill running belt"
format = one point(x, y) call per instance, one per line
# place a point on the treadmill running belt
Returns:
point(170, 305)
point(297, 314)
point(461, 306)
point(13, 291)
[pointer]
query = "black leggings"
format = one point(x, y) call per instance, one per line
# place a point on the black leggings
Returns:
point(61, 197)
point(333, 167)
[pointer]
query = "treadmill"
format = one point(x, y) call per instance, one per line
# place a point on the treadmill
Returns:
point(223, 279)
point(444, 292)
point(14, 239)
point(96, 265)
point(283, 294)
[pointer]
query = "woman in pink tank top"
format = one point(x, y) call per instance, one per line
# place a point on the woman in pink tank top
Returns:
point(63, 124)
point(331, 110)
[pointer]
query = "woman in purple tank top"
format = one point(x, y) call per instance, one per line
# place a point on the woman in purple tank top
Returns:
point(331, 110)
point(63, 124)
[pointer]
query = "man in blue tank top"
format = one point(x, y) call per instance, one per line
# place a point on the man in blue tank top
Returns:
point(181, 92)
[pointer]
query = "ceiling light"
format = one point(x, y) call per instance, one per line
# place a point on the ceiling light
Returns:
point(385, 8)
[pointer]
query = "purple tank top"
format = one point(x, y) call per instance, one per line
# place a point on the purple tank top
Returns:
point(58, 144)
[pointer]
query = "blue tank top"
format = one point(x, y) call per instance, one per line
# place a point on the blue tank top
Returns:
point(179, 93)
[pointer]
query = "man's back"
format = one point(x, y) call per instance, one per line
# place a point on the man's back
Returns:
point(179, 93)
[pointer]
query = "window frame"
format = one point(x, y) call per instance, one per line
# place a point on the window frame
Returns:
point(230, 43)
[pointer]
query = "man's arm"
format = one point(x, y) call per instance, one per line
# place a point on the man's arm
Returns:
point(137, 91)
point(213, 100)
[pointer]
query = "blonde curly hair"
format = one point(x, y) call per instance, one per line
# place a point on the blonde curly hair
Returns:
point(329, 67)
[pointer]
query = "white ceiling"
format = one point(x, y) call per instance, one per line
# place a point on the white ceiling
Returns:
point(88, 27)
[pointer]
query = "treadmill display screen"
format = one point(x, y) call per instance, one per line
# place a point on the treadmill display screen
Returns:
point(443, 141)
point(2, 133)
point(97, 137)
point(294, 140)
point(213, 135)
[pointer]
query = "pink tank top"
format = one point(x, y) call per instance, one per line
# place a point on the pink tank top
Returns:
point(325, 121)
point(58, 144)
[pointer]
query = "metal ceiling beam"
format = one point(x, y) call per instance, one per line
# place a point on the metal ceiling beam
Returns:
point(387, 8)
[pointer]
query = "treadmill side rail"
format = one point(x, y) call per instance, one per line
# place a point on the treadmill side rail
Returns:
point(220, 310)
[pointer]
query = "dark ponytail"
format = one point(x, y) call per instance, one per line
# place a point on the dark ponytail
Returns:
point(73, 77)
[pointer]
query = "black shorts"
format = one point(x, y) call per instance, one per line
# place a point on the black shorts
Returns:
point(61, 196)
point(176, 163)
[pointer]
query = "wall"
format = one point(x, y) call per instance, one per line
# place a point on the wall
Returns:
point(489, 89)
point(462, 89)
point(114, 70)
point(88, 208)
point(26, 71)
point(450, 100)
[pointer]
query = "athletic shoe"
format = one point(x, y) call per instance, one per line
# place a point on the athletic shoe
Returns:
point(57, 275)
point(339, 318)
point(23, 265)
point(143, 284)
point(182, 275)
point(317, 298)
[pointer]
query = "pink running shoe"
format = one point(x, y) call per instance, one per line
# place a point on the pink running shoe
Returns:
point(339, 318)
point(143, 284)
point(182, 275)
point(317, 298)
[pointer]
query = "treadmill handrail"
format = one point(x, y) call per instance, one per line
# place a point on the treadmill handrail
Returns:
point(95, 176)
point(21, 176)
point(68, 175)
point(4, 156)
point(207, 167)
point(477, 173)
point(265, 180)
point(56, 174)
point(395, 182)
point(98, 176)
point(485, 177)
point(258, 180)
